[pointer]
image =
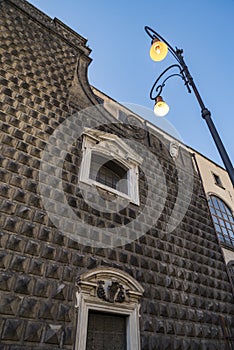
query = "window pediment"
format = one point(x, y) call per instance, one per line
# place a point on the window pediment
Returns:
point(110, 285)
point(110, 144)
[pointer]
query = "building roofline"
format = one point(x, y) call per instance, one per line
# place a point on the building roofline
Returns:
point(145, 121)
point(152, 126)
point(210, 160)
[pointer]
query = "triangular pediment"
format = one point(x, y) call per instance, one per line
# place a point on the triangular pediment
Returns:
point(113, 145)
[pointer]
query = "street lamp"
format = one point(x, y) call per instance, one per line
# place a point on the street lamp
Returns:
point(158, 52)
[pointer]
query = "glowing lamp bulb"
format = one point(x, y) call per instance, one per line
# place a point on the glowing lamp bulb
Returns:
point(161, 108)
point(158, 50)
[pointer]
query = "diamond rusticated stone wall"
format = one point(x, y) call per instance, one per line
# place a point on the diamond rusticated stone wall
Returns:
point(183, 272)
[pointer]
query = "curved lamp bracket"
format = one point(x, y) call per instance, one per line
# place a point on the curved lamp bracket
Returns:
point(188, 80)
point(177, 53)
point(159, 87)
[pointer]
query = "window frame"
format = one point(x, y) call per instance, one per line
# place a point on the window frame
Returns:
point(87, 300)
point(110, 145)
point(222, 223)
point(217, 180)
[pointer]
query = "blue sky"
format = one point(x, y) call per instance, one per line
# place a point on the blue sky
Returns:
point(122, 69)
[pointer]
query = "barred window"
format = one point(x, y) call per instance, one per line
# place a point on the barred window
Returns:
point(105, 331)
point(223, 220)
point(110, 173)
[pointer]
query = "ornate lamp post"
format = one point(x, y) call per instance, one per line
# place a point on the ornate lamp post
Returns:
point(158, 52)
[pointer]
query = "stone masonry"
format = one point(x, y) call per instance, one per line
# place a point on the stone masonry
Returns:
point(43, 80)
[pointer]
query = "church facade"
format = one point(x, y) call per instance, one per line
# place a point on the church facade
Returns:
point(106, 241)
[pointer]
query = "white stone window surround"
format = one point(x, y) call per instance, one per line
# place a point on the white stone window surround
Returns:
point(111, 147)
point(87, 300)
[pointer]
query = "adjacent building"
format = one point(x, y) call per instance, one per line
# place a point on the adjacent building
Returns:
point(220, 196)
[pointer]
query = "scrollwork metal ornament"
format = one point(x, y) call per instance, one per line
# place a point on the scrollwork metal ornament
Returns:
point(188, 80)
point(158, 87)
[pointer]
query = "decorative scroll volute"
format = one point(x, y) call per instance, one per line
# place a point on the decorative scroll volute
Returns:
point(109, 285)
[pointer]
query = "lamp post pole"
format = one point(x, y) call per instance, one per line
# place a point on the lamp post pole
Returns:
point(205, 113)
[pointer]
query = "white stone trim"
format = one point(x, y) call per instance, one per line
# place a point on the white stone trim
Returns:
point(87, 300)
point(110, 145)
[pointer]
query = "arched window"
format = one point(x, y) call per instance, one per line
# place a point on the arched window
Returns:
point(223, 220)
